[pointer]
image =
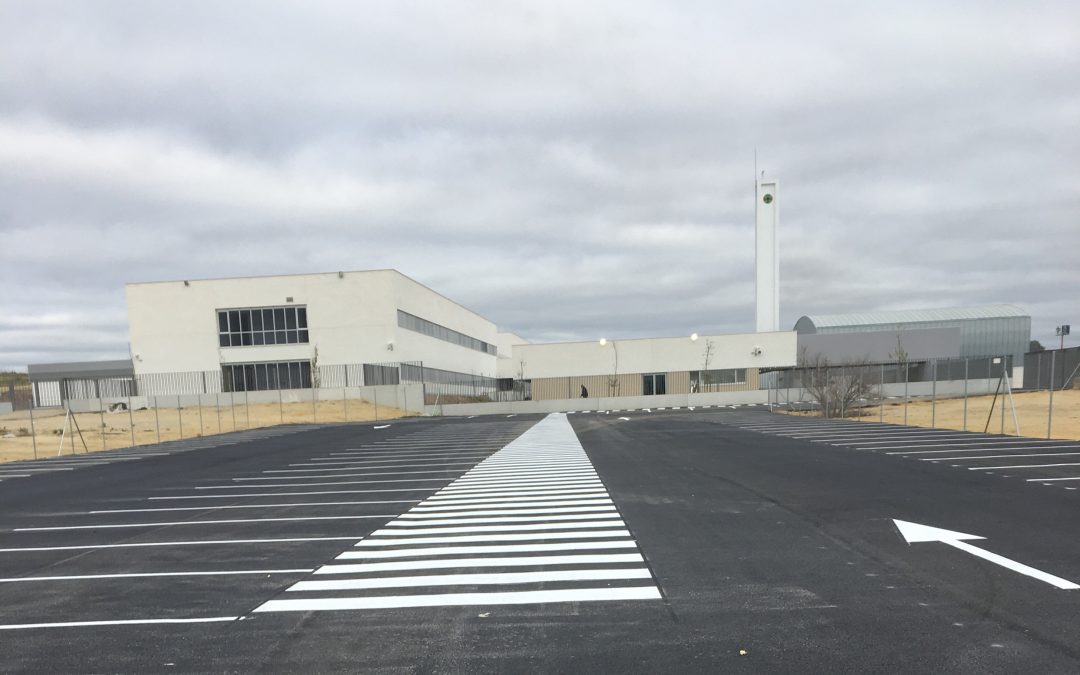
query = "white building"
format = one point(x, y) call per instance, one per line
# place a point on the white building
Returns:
point(649, 366)
point(264, 331)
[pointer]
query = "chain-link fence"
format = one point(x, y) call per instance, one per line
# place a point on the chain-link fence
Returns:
point(95, 413)
point(970, 394)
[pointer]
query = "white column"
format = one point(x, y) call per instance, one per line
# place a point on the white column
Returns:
point(767, 254)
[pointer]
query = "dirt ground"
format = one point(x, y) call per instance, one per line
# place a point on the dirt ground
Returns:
point(1031, 413)
point(165, 424)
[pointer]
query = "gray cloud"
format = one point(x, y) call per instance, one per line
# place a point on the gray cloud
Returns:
point(567, 170)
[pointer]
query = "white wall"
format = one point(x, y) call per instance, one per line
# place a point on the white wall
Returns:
point(351, 319)
point(757, 396)
point(506, 366)
point(657, 354)
point(417, 299)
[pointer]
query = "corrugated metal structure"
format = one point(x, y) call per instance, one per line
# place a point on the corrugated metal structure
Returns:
point(989, 330)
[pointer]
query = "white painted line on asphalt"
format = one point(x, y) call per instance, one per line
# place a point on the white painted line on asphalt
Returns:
point(517, 561)
point(214, 507)
point(1047, 480)
point(438, 520)
point(497, 578)
point(287, 494)
point(590, 493)
point(121, 622)
point(1020, 466)
point(102, 526)
point(411, 532)
point(992, 449)
point(350, 475)
point(315, 461)
point(356, 468)
point(1041, 454)
point(341, 482)
point(459, 599)
point(505, 548)
point(513, 506)
point(140, 575)
point(210, 542)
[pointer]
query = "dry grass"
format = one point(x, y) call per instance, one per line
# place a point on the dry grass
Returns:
point(1031, 413)
point(167, 424)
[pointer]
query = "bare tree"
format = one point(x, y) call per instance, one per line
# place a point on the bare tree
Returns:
point(316, 377)
point(836, 389)
point(710, 350)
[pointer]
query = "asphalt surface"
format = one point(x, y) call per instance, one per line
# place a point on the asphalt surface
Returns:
point(711, 540)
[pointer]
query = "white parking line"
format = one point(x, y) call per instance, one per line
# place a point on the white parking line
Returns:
point(141, 575)
point(122, 622)
point(151, 544)
point(214, 507)
point(104, 526)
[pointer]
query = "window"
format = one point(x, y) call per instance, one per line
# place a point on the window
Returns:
point(654, 384)
point(266, 376)
point(415, 323)
point(256, 326)
point(712, 380)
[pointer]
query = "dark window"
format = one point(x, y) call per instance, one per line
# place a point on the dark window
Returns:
point(431, 329)
point(262, 326)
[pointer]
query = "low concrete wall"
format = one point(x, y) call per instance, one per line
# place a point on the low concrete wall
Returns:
point(409, 397)
point(603, 403)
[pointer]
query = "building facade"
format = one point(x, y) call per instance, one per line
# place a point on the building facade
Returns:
point(650, 366)
point(270, 332)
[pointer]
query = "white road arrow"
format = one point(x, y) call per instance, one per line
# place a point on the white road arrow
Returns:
point(915, 533)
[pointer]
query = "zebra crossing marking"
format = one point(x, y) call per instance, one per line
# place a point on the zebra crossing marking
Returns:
point(536, 503)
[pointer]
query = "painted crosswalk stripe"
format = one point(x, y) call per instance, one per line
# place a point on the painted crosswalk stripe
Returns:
point(463, 599)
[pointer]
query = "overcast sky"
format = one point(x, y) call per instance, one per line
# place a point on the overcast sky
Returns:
point(566, 169)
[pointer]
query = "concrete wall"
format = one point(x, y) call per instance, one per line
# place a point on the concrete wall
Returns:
point(656, 355)
point(618, 403)
point(351, 319)
point(5, 407)
point(409, 397)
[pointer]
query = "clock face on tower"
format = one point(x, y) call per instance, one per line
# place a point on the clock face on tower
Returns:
point(767, 198)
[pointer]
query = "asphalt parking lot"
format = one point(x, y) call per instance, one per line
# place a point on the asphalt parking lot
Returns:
point(642, 541)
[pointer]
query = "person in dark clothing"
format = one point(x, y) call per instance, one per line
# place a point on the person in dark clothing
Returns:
point(584, 392)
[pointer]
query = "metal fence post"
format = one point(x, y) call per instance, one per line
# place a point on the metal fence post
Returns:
point(247, 409)
point(33, 429)
point(881, 397)
point(217, 408)
point(1050, 408)
point(375, 391)
point(199, 400)
point(232, 408)
point(345, 397)
point(180, 417)
point(280, 405)
point(933, 397)
point(907, 368)
point(314, 404)
point(157, 422)
point(1038, 372)
point(965, 392)
point(101, 414)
